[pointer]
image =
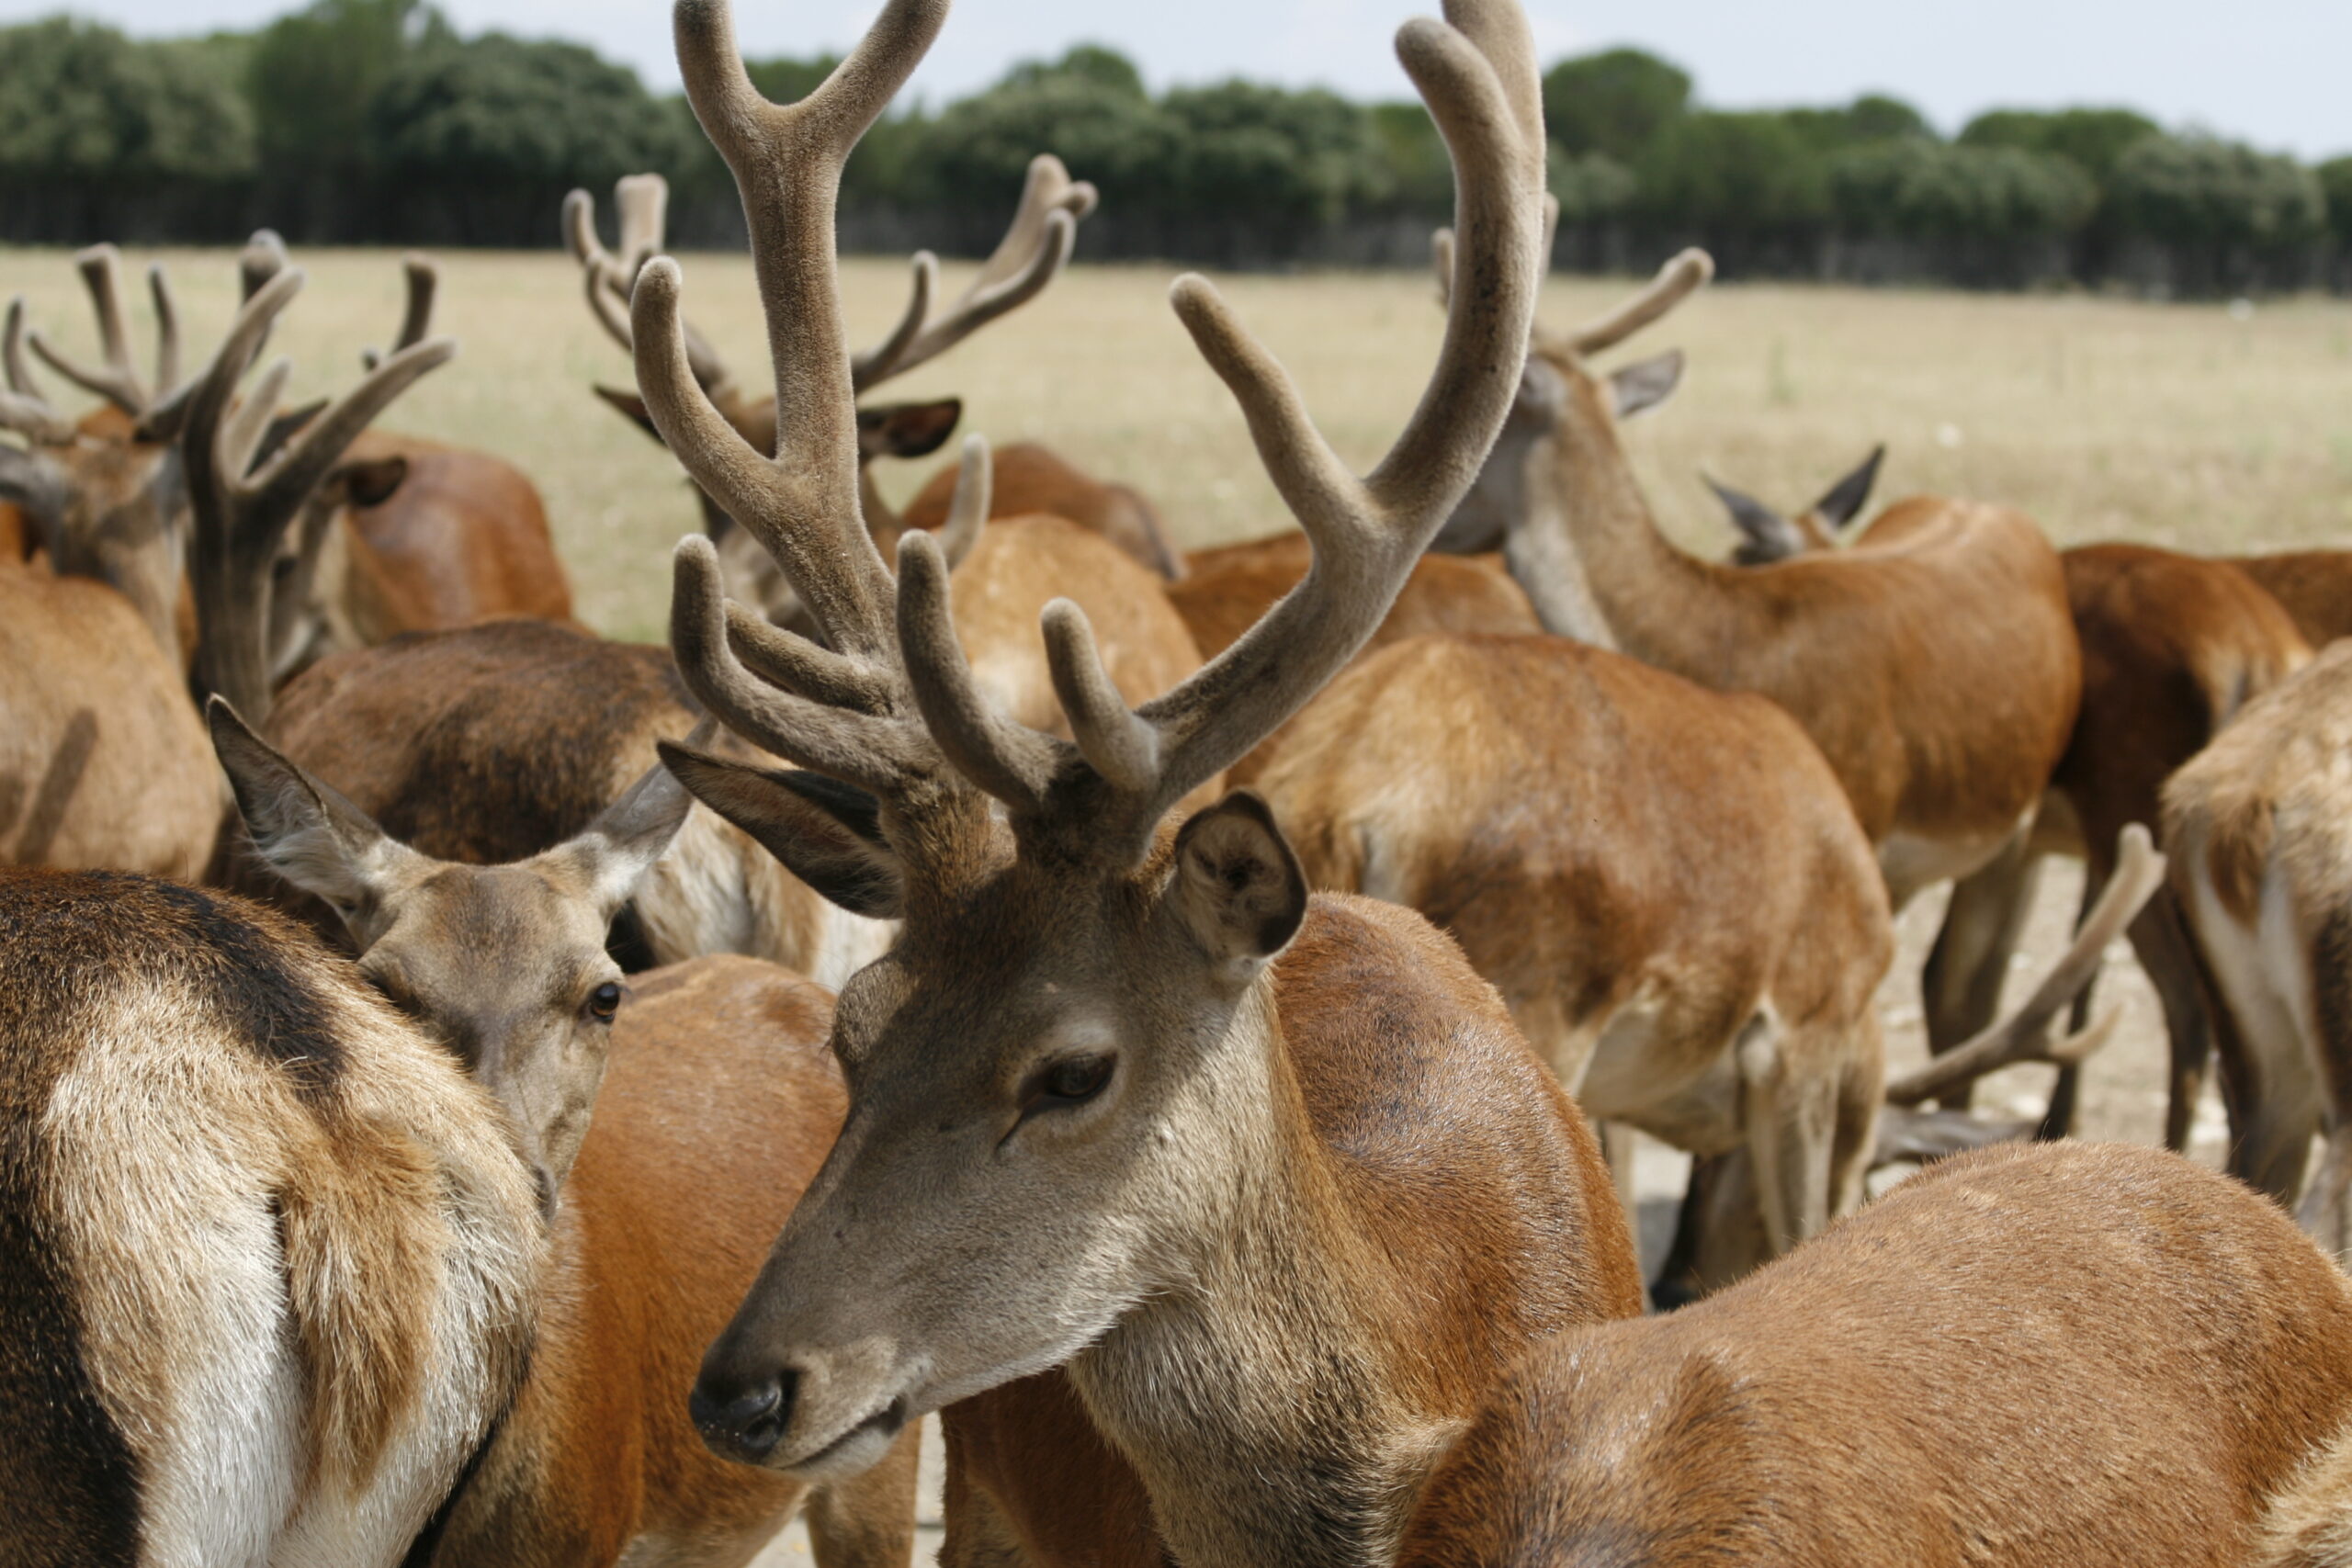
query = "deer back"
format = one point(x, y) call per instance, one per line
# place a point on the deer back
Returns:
point(2151, 1352)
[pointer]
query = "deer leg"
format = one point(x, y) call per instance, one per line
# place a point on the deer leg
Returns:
point(2327, 1211)
point(868, 1521)
point(2058, 1117)
point(1620, 1148)
point(1788, 1139)
point(1676, 1284)
point(2160, 940)
point(1970, 961)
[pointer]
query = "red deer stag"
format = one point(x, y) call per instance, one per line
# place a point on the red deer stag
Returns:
point(1936, 667)
point(2041, 1357)
point(102, 756)
point(1260, 1096)
point(2257, 829)
point(594, 1461)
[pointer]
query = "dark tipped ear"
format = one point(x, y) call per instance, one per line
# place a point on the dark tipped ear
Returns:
point(1641, 387)
point(36, 484)
point(283, 427)
point(616, 851)
point(370, 481)
point(1845, 500)
point(1238, 888)
point(1771, 536)
point(907, 430)
point(304, 830)
point(827, 834)
point(632, 406)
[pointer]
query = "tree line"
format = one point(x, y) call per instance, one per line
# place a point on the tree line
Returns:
point(372, 121)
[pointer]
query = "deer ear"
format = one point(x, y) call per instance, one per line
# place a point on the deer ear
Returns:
point(1845, 498)
point(304, 830)
point(907, 430)
point(1771, 536)
point(619, 847)
point(827, 834)
point(1237, 888)
point(1642, 386)
point(631, 406)
point(370, 481)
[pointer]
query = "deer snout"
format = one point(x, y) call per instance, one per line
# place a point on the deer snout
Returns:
point(741, 1417)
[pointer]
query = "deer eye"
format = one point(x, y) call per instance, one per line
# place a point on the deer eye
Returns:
point(604, 1002)
point(1072, 1080)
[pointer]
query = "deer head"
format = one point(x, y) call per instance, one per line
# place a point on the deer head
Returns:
point(506, 963)
point(105, 493)
point(1562, 403)
point(1767, 537)
point(1050, 1073)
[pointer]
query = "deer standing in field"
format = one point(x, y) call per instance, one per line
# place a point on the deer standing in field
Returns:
point(1258, 1100)
point(2256, 826)
point(101, 757)
point(1936, 668)
point(2173, 646)
point(1030, 479)
point(2041, 1357)
point(650, 1237)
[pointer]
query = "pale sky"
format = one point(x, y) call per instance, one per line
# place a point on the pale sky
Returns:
point(2277, 73)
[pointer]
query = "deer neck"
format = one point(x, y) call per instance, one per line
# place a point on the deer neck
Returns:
point(1252, 1391)
point(1586, 514)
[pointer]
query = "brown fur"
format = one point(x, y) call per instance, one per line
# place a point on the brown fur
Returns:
point(2312, 586)
point(103, 763)
point(651, 1256)
point(1383, 1026)
point(2039, 1357)
point(184, 1070)
point(1033, 479)
point(1934, 663)
point(1585, 865)
point(2310, 1524)
point(2262, 864)
point(463, 539)
point(1226, 591)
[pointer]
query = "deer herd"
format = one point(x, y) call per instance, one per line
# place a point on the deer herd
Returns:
point(473, 1091)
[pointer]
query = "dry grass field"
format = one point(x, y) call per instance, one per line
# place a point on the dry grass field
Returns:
point(2191, 427)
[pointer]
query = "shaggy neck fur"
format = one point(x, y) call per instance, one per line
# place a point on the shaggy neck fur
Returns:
point(1252, 1391)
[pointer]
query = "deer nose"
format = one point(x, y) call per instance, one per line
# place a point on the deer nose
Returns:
point(739, 1420)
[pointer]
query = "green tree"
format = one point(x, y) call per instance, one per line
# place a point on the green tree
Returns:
point(315, 75)
point(1924, 190)
point(1414, 169)
point(973, 155)
point(1747, 173)
point(2200, 190)
point(2335, 186)
point(81, 102)
point(2093, 138)
point(1244, 150)
point(1616, 102)
point(1872, 118)
point(509, 111)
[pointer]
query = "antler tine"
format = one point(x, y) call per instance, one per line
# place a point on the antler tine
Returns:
point(263, 258)
point(803, 503)
point(870, 368)
point(168, 329)
point(1681, 277)
point(12, 354)
point(1479, 78)
point(2023, 1037)
point(250, 420)
point(642, 202)
point(421, 279)
point(1036, 247)
point(967, 507)
point(23, 407)
point(101, 269)
point(808, 706)
point(241, 518)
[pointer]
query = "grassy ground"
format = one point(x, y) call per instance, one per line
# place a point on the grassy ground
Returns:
point(2172, 424)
